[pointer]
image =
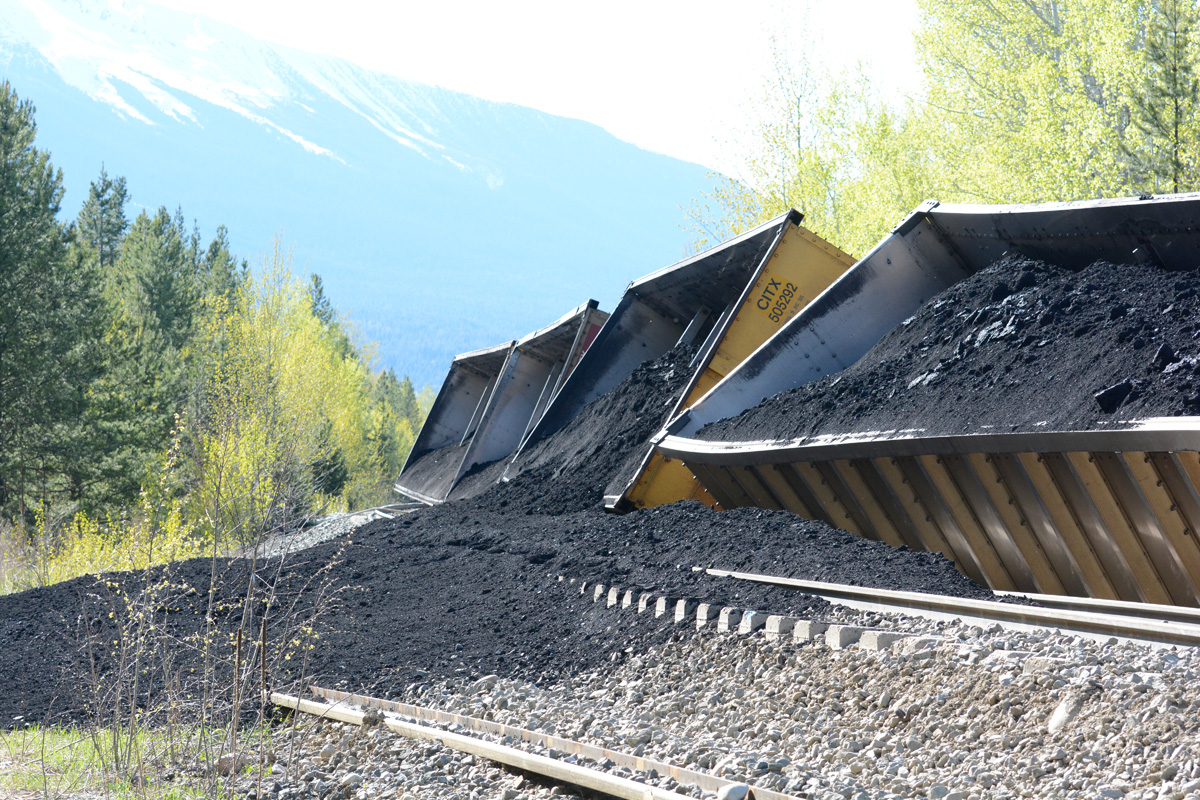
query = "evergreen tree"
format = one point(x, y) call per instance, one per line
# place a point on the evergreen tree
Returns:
point(156, 281)
point(1163, 157)
point(221, 270)
point(102, 223)
point(48, 307)
point(153, 295)
point(155, 292)
point(322, 309)
point(408, 407)
point(401, 396)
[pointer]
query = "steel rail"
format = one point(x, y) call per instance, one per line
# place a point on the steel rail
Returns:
point(1099, 605)
point(345, 707)
point(706, 781)
point(1171, 632)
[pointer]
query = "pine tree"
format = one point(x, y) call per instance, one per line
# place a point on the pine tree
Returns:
point(321, 307)
point(156, 280)
point(48, 308)
point(324, 311)
point(407, 406)
point(221, 269)
point(102, 223)
point(153, 297)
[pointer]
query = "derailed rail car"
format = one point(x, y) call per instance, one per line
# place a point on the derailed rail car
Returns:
point(795, 268)
point(1095, 513)
point(491, 399)
point(712, 299)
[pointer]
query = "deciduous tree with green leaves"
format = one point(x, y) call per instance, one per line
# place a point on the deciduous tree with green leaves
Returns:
point(1023, 101)
point(144, 374)
point(827, 145)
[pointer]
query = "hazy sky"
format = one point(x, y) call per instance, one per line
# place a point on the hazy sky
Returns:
point(675, 77)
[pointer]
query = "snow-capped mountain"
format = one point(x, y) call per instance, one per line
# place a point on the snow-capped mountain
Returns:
point(442, 222)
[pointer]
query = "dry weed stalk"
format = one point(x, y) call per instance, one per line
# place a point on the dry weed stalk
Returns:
point(169, 696)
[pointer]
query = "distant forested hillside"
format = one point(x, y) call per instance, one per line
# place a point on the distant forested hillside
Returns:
point(158, 396)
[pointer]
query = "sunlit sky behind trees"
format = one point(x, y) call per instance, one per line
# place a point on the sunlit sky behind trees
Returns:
point(680, 78)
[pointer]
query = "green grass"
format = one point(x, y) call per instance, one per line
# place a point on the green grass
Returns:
point(58, 762)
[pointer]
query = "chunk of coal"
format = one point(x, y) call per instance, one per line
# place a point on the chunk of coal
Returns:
point(1164, 356)
point(1110, 399)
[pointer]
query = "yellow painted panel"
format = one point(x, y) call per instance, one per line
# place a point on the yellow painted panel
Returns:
point(1064, 523)
point(1010, 514)
point(1169, 518)
point(1118, 527)
point(758, 489)
point(791, 501)
point(1190, 461)
point(922, 522)
point(977, 539)
point(866, 501)
point(666, 480)
point(708, 379)
point(1191, 465)
point(801, 268)
point(826, 496)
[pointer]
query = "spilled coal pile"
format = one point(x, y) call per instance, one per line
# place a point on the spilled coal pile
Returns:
point(572, 469)
point(466, 588)
point(1020, 346)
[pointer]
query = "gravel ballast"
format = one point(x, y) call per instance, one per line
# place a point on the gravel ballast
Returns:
point(970, 713)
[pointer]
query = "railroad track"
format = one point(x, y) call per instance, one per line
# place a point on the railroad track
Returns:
point(418, 722)
point(1154, 624)
point(568, 762)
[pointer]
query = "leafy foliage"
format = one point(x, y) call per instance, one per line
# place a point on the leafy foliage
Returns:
point(829, 147)
point(282, 423)
point(1023, 101)
point(156, 396)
